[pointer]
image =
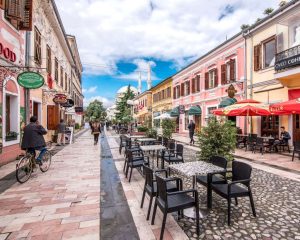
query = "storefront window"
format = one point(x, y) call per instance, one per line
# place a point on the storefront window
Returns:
point(11, 118)
point(270, 126)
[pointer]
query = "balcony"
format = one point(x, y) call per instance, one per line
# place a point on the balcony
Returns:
point(287, 59)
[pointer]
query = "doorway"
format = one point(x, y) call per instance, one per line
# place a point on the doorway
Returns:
point(36, 110)
point(296, 127)
point(198, 122)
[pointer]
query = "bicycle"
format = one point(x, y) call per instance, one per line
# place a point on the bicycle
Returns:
point(26, 164)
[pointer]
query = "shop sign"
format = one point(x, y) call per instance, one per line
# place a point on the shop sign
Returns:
point(30, 80)
point(181, 109)
point(287, 62)
point(60, 98)
point(69, 103)
point(79, 110)
point(7, 53)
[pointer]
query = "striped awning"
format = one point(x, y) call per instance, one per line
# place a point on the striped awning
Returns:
point(195, 110)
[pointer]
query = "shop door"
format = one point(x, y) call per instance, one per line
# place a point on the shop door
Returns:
point(270, 126)
point(296, 127)
point(198, 123)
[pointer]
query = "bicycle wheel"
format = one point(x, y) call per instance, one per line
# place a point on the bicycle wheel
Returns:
point(46, 160)
point(24, 169)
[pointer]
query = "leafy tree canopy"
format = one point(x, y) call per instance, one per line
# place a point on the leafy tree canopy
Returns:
point(123, 114)
point(95, 111)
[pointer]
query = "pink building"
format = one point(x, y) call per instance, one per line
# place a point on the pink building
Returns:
point(216, 79)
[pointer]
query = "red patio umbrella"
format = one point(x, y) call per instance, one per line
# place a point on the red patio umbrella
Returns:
point(247, 107)
point(288, 107)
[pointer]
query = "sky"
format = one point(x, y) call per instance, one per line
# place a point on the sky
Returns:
point(117, 39)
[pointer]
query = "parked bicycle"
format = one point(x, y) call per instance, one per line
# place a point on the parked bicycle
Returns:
point(26, 164)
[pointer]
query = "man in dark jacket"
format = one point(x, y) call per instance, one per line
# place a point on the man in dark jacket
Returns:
point(191, 128)
point(33, 138)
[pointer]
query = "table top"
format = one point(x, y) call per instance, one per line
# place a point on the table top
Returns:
point(152, 147)
point(267, 137)
point(136, 136)
point(190, 169)
point(146, 139)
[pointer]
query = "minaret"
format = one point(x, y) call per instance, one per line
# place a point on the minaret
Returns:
point(140, 83)
point(149, 77)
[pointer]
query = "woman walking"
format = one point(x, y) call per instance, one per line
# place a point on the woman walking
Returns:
point(96, 132)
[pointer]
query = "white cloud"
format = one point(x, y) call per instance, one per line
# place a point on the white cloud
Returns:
point(90, 89)
point(106, 102)
point(111, 30)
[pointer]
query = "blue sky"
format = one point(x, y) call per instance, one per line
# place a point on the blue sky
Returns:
point(118, 38)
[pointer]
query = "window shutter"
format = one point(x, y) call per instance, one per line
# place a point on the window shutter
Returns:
point(257, 57)
point(2, 4)
point(52, 117)
point(216, 77)
point(232, 69)
point(223, 74)
point(206, 80)
point(182, 89)
point(193, 85)
point(13, 9)
point(188, 87)
point(26, 23)
point(198, 83)
point(174, 92)
point(178, 91)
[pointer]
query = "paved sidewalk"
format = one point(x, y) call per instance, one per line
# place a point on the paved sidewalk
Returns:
point(62, 203)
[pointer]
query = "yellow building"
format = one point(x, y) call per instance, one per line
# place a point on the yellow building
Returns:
point(273, 66)
point(161, 99)
point(142, 108)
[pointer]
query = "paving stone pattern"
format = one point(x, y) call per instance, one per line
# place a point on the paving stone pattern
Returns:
point(277, 202)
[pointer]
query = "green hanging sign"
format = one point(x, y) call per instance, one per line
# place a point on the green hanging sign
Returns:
point(30, 80)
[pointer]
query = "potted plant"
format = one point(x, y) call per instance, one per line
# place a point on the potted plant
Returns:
point(142, 129)
point(152, 133)
point(168, 127)
point(11, 136)
point(217, 139)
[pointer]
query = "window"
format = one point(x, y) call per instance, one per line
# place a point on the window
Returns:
point(211, 79)
point(168, 92)
point(56, 70)
point(61, 77)
point(270, 126)
point(37, 46)
point(269, 52)
point(197, 83)
point(49, 63)
point(66, 82)
point(11, 120)
point(209, 111)
point(228, 72)
point(176, 92)
point(187, 88)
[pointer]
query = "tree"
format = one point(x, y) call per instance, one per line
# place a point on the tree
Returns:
point(217, 139)
point(268, 11)
point(168, 127)
point(244, 27)
point(123, 114)
point(95, 111)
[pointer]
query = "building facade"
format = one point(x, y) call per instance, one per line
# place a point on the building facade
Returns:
point(142, 110)
point(56, 55)
point(215, 80)
point(161, 100)
point(12, 61)
point(273, 67)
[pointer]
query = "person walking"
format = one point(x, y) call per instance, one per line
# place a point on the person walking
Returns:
point(61, 129)
point(191, 128)
point(33, 139)
point(96, 130)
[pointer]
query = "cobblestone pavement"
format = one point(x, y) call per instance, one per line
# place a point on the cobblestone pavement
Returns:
point(277, 202)
point(62, 203)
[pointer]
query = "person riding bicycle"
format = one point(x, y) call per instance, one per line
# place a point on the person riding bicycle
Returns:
point(33, 139)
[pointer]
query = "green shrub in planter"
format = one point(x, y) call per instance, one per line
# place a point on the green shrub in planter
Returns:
point(217, 139)
point(151, 133)
point(142, 129)
point(168, 127)
point(77, 126)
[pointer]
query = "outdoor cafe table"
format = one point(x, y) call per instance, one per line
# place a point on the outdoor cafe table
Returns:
point(192, 169)
point(144, 140)
point(135, 136)
point(155, 148)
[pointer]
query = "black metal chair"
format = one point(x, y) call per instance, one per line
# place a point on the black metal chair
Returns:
point(216, 177)
point(176, 157)
point(170, 149)
point(261, 145)
point(251, 141)
point(134, 149)
point(296, 150)
point(174, 202)
point(135, 162)
point(122, 143)
point(238, 187)
point(284, 144)
point(150, 186)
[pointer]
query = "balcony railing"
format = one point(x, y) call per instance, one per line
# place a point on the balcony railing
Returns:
point(291, 52)
point(288, 58)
